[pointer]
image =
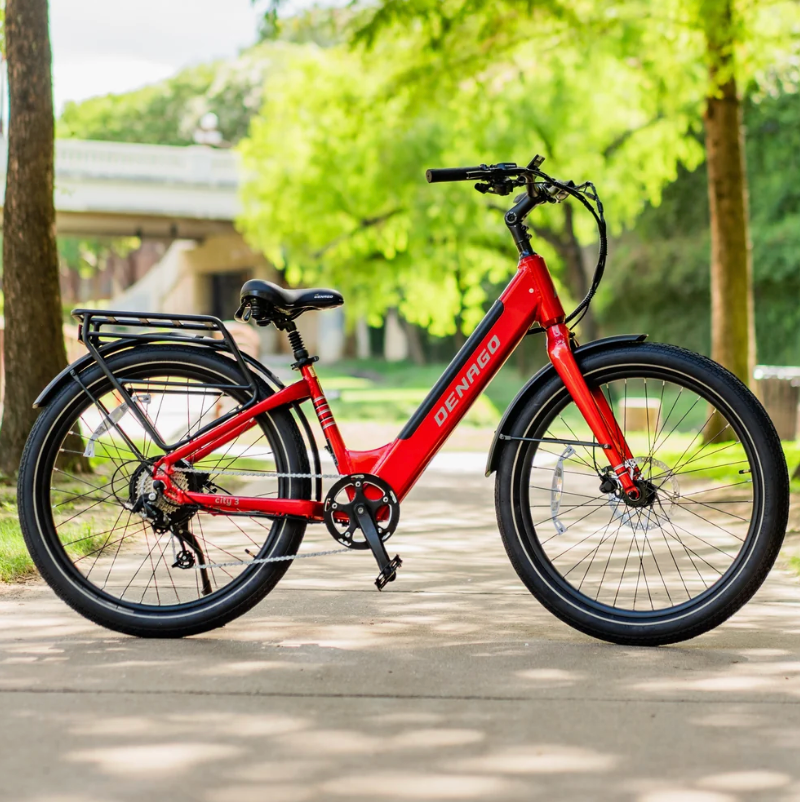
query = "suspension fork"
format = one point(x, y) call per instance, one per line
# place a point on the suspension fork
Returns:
point(594, 407)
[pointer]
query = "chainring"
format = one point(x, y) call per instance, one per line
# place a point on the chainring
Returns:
point(369, 491)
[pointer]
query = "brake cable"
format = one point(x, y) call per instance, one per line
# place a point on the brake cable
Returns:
point(585, 193)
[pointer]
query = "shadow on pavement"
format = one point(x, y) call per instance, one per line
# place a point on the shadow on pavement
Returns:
point(453, 684)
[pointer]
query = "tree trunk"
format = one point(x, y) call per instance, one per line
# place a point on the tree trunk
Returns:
point(732, 319)
point(34, 339)
point(572, 254)
point(415, 349)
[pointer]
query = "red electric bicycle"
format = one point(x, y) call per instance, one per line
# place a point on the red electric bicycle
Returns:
point(641, 492)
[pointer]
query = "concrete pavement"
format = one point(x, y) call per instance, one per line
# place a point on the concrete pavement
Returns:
point(452, 684)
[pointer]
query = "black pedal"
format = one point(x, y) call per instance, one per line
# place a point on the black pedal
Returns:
point(389, 573)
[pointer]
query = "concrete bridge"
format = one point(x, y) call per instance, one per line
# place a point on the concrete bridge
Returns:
point(186, 196)
point(118, 189)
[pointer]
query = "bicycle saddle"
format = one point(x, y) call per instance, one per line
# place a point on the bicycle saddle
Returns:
point(289, 302)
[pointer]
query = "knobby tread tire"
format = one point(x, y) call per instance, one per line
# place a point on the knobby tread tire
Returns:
point(765, 544)
point(56, 573)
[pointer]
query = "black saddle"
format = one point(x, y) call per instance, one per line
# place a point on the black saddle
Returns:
point(266, 300)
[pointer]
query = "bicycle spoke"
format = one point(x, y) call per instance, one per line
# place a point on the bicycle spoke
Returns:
point(129, 557)
point(642, 557)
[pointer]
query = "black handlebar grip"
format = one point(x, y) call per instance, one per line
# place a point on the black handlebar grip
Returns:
point(450, 174)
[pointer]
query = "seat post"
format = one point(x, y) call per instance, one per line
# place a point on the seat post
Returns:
point(299, 350)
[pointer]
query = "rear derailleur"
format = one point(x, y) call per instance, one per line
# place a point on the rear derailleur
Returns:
point(146, 497)
point(367, 504)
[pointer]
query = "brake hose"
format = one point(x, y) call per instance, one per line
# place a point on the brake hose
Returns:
point(582, 192)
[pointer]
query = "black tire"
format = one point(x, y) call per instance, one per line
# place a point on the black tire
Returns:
point(539, 550)
point(234, 590)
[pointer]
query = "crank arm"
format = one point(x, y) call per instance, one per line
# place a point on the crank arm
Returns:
point(388, 567)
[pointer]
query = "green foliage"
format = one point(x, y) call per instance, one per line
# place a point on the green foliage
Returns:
point(85, 256)
point(668, 60)
point(168, 112)
point(337, 191)
point(339, 195)
point(658, 278)
point(666, 39)
point(324, 26)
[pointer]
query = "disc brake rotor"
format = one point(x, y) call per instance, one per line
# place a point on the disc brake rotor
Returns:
point(640, 518)
point(645, 518)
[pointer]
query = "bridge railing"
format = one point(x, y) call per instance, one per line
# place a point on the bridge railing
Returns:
point(123, 161)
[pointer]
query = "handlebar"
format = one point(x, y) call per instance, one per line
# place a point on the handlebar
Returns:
point(439, 175)
point(501, 179)
point(495, 172)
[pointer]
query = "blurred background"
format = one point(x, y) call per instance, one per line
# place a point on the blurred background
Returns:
point(202, 145)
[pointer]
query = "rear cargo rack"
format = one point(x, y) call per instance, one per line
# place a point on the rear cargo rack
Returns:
point(100, 330)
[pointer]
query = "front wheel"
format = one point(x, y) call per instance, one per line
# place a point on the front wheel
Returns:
point(703, 535)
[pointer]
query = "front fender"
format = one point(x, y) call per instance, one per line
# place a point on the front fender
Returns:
point(532, 387)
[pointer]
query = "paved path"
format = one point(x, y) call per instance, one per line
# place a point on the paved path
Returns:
point(452, 684)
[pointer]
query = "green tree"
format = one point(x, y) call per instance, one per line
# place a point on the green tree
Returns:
point(730, 40)
point(659, 279)
point(168, 112)
point(337, 190)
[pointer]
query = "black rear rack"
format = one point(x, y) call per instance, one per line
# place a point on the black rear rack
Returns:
point(105, 327)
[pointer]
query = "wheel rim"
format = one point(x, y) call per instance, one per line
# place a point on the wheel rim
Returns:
point(118, 556)
point(658, 559)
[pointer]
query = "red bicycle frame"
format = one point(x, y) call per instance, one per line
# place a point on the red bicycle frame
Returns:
point(529, 298)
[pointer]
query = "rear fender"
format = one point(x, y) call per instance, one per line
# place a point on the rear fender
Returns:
point(539, 380)
point(78, 366)
point(87, 360)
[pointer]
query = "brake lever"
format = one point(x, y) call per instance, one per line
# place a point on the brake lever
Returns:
point(494, 189)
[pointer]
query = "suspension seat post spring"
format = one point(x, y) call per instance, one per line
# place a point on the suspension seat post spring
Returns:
point(299, 350)
point(296, 341)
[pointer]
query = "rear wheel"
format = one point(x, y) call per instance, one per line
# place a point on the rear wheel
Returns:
point(711, 516)
point(184, 571)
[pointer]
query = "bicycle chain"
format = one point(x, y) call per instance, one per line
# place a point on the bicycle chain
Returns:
point(262, 560)
point(261, 475)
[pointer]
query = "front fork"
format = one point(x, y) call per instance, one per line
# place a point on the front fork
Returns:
point(595, 409)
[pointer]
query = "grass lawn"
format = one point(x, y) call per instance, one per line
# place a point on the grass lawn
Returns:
point(81, 537)
point(15, 564)
point(383, 392)
point(366, 390)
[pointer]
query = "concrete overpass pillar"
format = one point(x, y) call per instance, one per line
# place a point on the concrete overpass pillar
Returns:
point(395, 347)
